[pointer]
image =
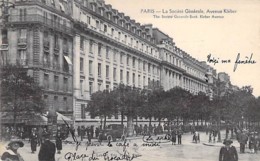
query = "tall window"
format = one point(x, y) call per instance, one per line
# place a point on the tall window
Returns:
point(22, 57)
point(107, 52)
point(127, 60)
point(90, 88)
point(46, 59)
point(139, 80)
point(56, 83)
point(99, 69)
point(105, 28)
point(56, 41)
point(99, 49)
point(125, 38)
point(22, 36)
point(81, 87)
point(81, 64)
point(107, 71)
point(97, 24)
point(91, 46)
point(83, 112)
point(143, 65)
point(46, 41)
point(23, 13)
point(90, 67)
point(114, 73)
point(81, 43)
point(121, 75)
point(121, 58)
point(65, 84)
point(133, 62)
point(112, 31)
point(46, 81)
point(4, 36)
point(149, 67)
point(127, 77)
point(119, 36)
point(133, 78)
point(144, 81)
point(88, 19)
point(56, 62)
point(114, 55)
point(55, 102)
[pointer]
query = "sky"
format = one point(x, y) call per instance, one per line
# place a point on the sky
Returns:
point(235, 32)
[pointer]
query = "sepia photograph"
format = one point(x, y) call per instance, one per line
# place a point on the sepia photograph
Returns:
point(129, 80)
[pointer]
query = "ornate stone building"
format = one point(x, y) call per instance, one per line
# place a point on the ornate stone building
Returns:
point(39, 36)
point(75, 48)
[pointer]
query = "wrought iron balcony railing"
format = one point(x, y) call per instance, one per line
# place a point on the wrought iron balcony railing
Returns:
point(36, 18)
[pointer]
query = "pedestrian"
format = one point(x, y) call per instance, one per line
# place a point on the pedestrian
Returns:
point(47, 150)
point(252, 144)
point(173, 137)
point(179, 133)
point(92, 131)
point(228, 152)
point(39, 134)
point(210, 136)
point(242, 139)
point(11, 153)
point(82, 134)
point(97, 132)
point(88, 134)
point(34, 140)
point(78, 131)
point(145, 129)
point(58, 142)
point(196, 137)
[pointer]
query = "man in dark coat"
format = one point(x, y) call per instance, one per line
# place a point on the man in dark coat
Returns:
point(242, 139)
point(179, 133)
point(34, 140)
point(228, 152)
point(58, 142)
point(47, 150)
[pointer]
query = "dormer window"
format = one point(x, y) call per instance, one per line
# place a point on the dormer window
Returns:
point(101, 12)
point(109, 16)
point(93, 7)
point(116, 20)
point(134, 30)
point(122, 23)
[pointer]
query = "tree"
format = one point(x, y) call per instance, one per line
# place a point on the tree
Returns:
point(102, 104)
point(199, 108)
point(20, 94)
point(177, 104)
point(153, 98)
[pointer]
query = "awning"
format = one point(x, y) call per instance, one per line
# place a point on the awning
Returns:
point(61, 117)
point(27, 119)
point(68, 60)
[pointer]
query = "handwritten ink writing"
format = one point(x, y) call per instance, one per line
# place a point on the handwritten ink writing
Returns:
point(149, 141)
point(248, 60)
point(74, 156)
point(106, 156)
point(124, 144)
point(211, 59)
